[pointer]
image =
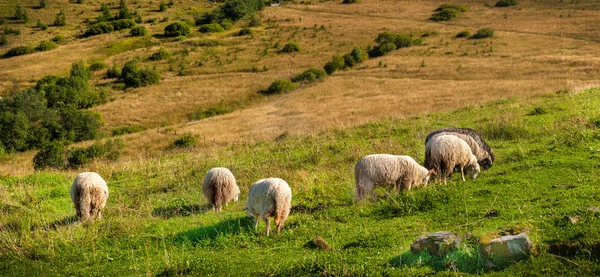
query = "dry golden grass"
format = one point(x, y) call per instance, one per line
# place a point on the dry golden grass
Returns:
point(534, 51)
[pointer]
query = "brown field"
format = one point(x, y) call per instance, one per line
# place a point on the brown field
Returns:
point(538, 47)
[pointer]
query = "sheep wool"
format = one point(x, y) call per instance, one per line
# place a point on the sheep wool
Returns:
point(89, 194)
point(484, 153)
point(219, 187)
point(445, 152)
point(271, 197)
point(402, 172)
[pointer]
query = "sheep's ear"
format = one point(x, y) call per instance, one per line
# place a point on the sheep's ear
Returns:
point(432, 172)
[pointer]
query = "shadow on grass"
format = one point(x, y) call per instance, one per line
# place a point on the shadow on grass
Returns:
point(458, 261)
point(61, 222)
point(231, 226)
point(180, 210)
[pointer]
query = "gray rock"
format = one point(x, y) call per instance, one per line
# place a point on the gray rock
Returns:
point(571, 219)
point(320, 243)
point(593, 209)
point(508, 247)
point(438, 243)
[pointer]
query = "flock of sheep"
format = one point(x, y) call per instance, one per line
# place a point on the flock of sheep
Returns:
point(445, 150)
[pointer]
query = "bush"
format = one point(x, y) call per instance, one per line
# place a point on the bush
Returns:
point(185, 141)
point(77, 157)
point(386, 47)
point(99, 28)
point(336, 63)
point(202, 113)
point(162, 6)
point(460, 8)
point(3, 40)
point(113, 72)
point(280, 86)
point(43, 4)
point(95, 66)
point(355, 57)
point(349, 1)
point(138, 31)
point(58, 38)
point(41, 25)
point(400, 40)
point(161, 54)
point(21, 14)
point(123, 24)
point(177, 29)
point(483, 33)
point(60, 19)
point(19, 51)
point(124, 12)
point(506, 3)
point(78, 69)
point(211, 28)
point(245, 31)
point(291, 46)
point(105, 16)
point(50, 156)
point(45, 46)
point(127, 130)
point(226, 25)
point(463, 34)
point(133, 76)
point(310, 75)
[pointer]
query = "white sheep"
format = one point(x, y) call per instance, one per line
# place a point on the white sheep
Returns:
point(403, 172)
point(89, 194)
point(479, 147)
point(219, 187)
point(444, 152)
point(267, 198)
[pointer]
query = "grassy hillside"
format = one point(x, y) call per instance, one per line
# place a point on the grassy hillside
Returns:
point(157, 223)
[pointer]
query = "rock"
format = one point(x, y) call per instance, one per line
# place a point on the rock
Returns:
point(593, 209)
point(571, 219)
point(438, 243)
point(320, 243)
point(508, 247)
point(561, 186)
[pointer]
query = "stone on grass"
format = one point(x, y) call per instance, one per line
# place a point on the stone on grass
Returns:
point(571, 219)
point(507, 247)
point(593, 209)
point(320, 243)
point(438, 243)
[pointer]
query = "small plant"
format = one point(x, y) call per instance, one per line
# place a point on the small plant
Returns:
point(185, 141)
point(506, 3)
point(123, 24)
point(43, 4)
point(245, 32)
point(60, 19)
point(58, 38)
point(350, 1)
point(310, 75)
point(113, 72)
point(280, 86)
point(162, 6)
point(138, 31)
point(483, 33)
point(98, 29)
point(177, 29)
point(21, 14)
point(211, 28)
point(19, 51)
point(463, 34)
point(336, 63)
point(291, 46)
point(95, 66)
point(226, 25)
point(161, 54)
point(46, 45)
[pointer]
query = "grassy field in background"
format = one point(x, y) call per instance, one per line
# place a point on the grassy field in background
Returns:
point(157, 223)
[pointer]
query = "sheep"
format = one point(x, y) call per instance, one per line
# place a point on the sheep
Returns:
point(403, 172)
point(267, 198)
point(445, 152)
point(485, 155)
point(219, 187)
point(89, 194)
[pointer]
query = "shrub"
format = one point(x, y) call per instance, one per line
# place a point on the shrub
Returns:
point(336, 63)
point(211, 28)
point(138, 19)
point(41, 25)
point(162, 6)
point(43, 4)
point(51, 155)
point(386, 47)
point(138, 31)
point(185, 141)
point(177, 29)
point(291, 46)
point(463, 34)
point(127, 130)
point(356, 56)
point(46, 45)
point(506, 3)
point(58, 38)
point(18, 51)
point(3, 40)
point(60, 19)
point(95, 66)
point(280, 86)
point(78, 69)
point(202, 112)
point(460, 8)
point(133, 76)
point(124, 12)
point(105, 16)
point(447, 12)
point(349, 1)
point(21, 14)
point(254, 22)
point(245, 31)
point(113, 72)
point(77, 157)
point(483, 33)
point(226, 25)
point(400, 40)
point(310, 75)
point(123, 24)
point(161, 54)
point(99, 28)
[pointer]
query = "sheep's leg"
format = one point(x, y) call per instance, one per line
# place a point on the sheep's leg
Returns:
point(255, 222)
point(279, 227)
point(268, 221)
point(444, 179)
point(462, 173)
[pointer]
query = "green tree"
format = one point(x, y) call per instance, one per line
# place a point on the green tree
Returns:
point(60, 19)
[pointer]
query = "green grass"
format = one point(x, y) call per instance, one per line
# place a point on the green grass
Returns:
point(156, 220)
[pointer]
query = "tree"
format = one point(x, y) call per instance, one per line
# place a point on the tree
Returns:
point(60, 19)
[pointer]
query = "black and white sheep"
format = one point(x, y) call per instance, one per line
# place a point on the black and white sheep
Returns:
point(402, 172)
point(484, 153)
point(89, 194)
point(445, 152)
point(271, 197)
point(219, 187)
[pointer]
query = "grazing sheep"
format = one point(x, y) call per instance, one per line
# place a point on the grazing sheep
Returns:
point(403, 172)
point(445, 152)
point(219, 187)
point(267, 198)
point(485, 155)
point(89, 194)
